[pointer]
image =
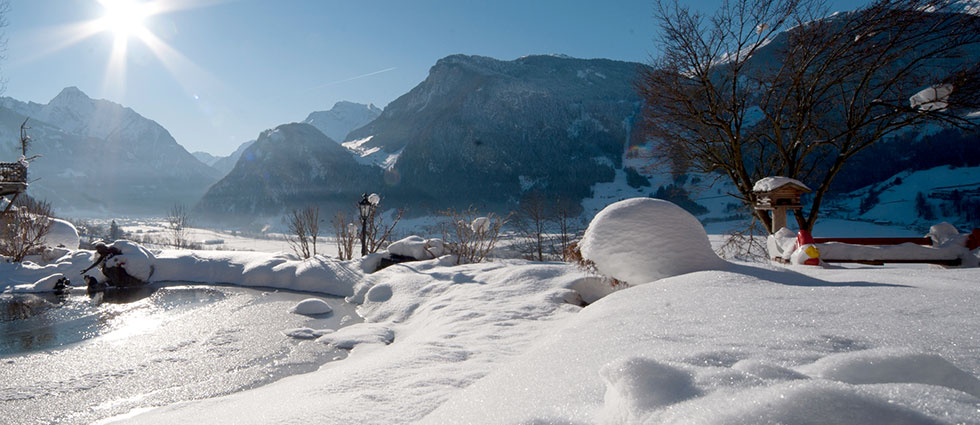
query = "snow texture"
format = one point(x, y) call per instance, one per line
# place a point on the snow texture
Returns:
point(894, 366)
point(769, 184)
point(312, 306)
point(643, 239)
point(418, 248)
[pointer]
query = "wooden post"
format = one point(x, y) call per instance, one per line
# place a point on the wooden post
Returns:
point(778, 218)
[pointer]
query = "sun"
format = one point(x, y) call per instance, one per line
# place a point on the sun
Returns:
point(124, 18)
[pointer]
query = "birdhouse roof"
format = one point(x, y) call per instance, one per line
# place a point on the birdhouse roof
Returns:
point(770, 184)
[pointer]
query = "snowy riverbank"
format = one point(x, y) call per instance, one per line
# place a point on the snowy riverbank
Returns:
point(509, 341)
point(500, 343)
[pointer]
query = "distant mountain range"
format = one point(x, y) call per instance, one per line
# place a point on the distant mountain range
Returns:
point(477, 131)
point(98, 157)
point(290, 166)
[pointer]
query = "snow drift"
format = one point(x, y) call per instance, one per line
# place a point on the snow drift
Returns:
point(643, 239)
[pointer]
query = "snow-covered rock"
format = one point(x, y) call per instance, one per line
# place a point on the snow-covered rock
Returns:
point(643, 239)
point(312, 306)
point(135, 259)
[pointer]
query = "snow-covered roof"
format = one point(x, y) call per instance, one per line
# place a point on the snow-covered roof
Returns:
point(770, 184)
point(933, 98)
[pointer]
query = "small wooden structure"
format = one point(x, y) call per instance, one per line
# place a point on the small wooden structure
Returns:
point(13, 175)
point(13, 181)
point(779, 195)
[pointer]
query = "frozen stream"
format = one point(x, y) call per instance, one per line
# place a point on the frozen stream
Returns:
point(75, 359)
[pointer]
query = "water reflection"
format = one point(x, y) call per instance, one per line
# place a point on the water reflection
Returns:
point(30, 322)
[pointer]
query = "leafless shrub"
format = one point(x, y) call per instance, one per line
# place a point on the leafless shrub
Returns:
point(746, 244)
point(346, 232)
point(22, 229)
point(471, 237)
point(304, 229)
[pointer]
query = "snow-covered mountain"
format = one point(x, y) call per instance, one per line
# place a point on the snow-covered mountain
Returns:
point(291, 166)
point(205, 157)
point(225, 164)
point(101, 156)
point(485, 131)
point(477, 131)
point(342, 118)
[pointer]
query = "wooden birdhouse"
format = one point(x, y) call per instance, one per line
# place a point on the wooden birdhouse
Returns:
point(779, 195)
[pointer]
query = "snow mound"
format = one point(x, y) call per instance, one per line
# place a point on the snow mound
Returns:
point(795, 402)
point(136, 260)
point(637, 385)
point(306, 333)
point(312, 306)
point(768, 184)
point(889, 366)
point(362, 333)
point(45, 284)
point(418, 248)
point(61, 234)
point(643, 239)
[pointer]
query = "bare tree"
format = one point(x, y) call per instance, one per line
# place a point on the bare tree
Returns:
point(346, 232)
point(718, 100)
point(22, 229)
point(304, 229)
point(177, 222)
point(531, 221)
point(568, 228)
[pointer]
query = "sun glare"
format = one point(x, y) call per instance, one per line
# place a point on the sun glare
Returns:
point(124, 17)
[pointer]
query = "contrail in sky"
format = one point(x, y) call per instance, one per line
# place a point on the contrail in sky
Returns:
point(355, 78)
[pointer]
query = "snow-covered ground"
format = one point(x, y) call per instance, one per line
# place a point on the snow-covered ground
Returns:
point(510, 342)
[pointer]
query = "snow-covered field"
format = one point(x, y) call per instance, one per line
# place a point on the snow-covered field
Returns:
point(513, 341)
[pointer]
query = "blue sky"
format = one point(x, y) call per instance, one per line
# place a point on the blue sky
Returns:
point(236, 68)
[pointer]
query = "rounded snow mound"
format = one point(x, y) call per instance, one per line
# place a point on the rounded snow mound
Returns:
point(644, 239)
point(61, 234)
point(312, 306)
point(894, 366)
point(794, 402)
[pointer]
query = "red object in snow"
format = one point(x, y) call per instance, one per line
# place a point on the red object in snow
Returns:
point(973, 241)
point(803, 238)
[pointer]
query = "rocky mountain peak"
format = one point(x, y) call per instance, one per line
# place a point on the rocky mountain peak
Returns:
point(342, 118)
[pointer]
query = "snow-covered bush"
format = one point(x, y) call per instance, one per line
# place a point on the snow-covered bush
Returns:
point(470, 236)
point(643, 239)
